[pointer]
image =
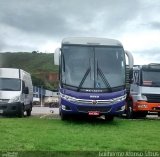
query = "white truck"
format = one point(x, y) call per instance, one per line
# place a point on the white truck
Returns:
point(144, 94)
point(16, 92)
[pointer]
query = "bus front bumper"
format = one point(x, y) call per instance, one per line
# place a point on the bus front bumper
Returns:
point(114, 109)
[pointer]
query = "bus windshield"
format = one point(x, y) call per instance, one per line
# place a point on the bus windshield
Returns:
point(151, 78)
point(10, 84)
point(93, 67)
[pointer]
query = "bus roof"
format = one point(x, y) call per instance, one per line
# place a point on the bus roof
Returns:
point(90, 41)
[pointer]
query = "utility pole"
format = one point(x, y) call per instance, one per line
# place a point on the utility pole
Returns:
point(41, 96)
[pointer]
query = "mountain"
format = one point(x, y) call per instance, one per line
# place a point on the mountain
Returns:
point(39, 65)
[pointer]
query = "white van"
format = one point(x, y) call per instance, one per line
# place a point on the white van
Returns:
point(16, 92)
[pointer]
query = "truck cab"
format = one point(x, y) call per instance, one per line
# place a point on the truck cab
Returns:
point(144, 96)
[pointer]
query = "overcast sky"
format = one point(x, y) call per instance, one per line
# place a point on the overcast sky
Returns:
point(42, 24)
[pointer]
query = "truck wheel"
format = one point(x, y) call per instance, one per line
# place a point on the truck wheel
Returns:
point(21, 112)
point(29, 112)
point(109, 118)
point(129, 111)
point(141, 114)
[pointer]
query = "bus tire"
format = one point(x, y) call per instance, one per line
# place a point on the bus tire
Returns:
point(109, 118)
point(63, 116)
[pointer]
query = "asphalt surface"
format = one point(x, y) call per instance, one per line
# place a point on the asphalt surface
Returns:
point(44, 111)
point(54, 113)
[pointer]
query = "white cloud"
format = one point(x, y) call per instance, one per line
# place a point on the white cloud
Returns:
point(49, 46)
point(141, 40)
point(41, 26)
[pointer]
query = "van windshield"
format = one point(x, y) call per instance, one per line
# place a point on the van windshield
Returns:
point(10, 84)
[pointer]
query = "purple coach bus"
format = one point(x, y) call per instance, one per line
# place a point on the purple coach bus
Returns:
point(92, 77)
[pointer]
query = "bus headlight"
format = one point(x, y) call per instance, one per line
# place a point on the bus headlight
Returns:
point(63, 107)
point(68, 98)
point(123, 108)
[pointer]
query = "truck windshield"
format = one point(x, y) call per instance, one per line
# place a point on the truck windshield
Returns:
point(93, 67)
point(151, 78)
point(10, 84)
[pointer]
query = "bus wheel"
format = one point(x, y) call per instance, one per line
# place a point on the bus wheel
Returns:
point(109, 117)
point(63, 116)
point(129, 111)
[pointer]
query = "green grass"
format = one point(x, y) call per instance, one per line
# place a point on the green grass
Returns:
point(34, 134)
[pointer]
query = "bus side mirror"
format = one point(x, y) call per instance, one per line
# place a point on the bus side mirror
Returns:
point(130, 59)
point(56, 56)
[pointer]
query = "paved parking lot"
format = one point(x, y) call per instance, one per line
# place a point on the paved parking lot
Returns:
point(44, 110)
point(55, 111)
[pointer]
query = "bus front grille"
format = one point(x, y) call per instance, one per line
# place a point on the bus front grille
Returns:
point(93, 108)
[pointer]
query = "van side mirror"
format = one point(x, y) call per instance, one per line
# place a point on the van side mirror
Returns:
point(26, 90)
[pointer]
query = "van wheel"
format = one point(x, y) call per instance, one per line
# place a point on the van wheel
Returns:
point(109, 118)
point(21, 112)
point(28, 112)
point(129, 111)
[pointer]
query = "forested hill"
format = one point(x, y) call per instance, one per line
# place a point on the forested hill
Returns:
point(40, 65)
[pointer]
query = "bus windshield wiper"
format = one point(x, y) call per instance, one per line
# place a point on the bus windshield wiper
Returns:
point(84, 78)
point(100, 72)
